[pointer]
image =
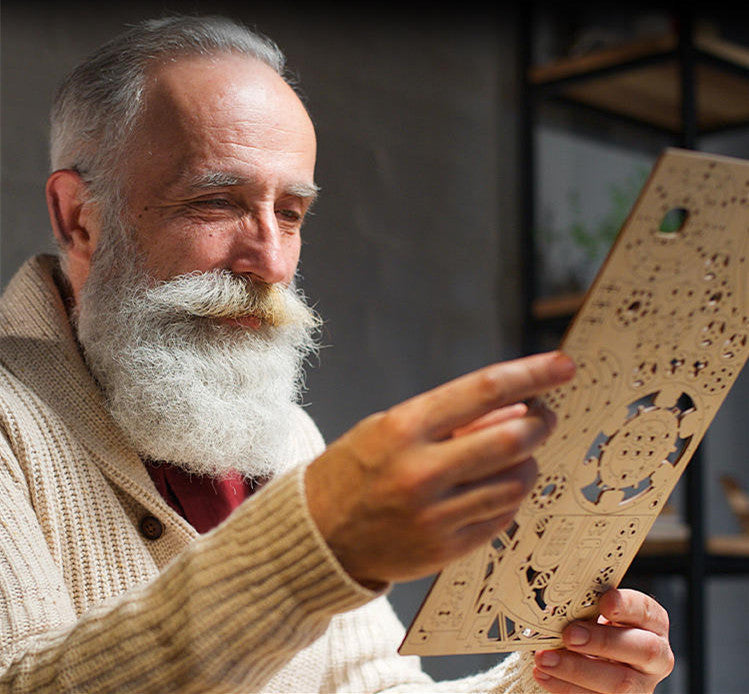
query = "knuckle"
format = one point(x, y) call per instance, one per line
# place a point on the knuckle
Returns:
point(528, 470)
point(520, 437)
point(513, 493)
point(369, 421)
point(666, 622)
point(630, 682)
point(509, 442)
point(659, 657)
point(397, 426)
point(670, 663)
point(496, 510)
point(574, 666)
point(648, 609)
point(653, 650)
point(655, 613)
point(412, 484)
point(661, 618)
point(489, 386)
point(622, 686)
point(366, 429)
point(606, 638)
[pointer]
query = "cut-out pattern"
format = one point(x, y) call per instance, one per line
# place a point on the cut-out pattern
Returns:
point(659, 341)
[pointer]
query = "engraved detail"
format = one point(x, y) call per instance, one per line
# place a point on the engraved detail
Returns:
point(659, 341)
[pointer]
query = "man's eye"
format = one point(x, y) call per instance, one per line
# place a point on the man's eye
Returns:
point(289, 215)
point(212, 202)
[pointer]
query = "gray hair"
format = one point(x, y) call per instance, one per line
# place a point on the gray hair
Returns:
point(97, 106)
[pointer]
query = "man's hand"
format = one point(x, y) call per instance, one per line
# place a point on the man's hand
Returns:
point(410, 489)
point(627, 650)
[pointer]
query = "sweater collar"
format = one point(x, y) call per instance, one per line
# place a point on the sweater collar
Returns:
point(38, 346)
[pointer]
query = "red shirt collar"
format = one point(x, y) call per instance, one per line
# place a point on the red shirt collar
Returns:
point(203, 501)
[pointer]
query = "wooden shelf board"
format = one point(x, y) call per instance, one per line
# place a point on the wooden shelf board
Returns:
point(729, 545)
point(561, 306)
point(719, 545)
point(650, 93)
point(730, 52)
point(601, 59)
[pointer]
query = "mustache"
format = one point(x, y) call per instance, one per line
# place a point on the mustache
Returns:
point(224, 294)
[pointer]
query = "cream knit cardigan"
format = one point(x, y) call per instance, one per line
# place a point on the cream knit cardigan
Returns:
point(87, 604)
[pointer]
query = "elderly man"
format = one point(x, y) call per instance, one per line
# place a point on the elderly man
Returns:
point(171, 518)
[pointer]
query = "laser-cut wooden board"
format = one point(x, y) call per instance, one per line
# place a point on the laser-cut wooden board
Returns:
point(659, 340)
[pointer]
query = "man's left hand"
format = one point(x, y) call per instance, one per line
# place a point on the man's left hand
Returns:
point(625, 651)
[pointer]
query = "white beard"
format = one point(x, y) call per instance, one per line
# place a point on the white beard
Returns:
point(186, 388)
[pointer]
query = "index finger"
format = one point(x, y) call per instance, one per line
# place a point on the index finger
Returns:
point(625, 607)
point(436, 413)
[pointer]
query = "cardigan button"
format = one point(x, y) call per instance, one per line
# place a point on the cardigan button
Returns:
point(151, 527)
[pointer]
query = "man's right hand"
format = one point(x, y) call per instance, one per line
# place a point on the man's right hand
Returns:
point(408, 490)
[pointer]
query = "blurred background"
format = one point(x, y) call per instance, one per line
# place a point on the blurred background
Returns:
point(440, 160)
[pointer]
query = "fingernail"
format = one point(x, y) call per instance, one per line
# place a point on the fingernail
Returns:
point(541, 675)
point(577, 635)
point(549, 659)
point(563, 365)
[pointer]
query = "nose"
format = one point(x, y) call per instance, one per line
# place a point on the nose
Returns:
point(262, 250)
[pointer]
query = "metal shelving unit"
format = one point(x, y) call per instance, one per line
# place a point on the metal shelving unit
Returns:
point(664, 79)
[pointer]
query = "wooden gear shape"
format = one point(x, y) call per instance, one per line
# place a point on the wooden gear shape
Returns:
point(659, 340)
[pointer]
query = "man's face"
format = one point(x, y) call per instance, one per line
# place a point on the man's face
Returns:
point(221, 170)
point(219, 177)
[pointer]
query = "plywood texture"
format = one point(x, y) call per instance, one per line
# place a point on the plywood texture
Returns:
point(658, 342)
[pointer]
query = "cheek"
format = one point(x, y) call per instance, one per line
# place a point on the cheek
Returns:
point(176, 247)
point(167, 254)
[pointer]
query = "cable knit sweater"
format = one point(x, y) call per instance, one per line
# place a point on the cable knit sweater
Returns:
point(88, 603)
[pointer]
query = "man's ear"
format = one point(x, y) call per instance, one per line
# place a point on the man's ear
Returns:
point(74, 221)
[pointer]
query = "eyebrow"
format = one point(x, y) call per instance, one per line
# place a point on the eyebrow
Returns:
point(215, 179)
point(226, 179)
point(304, 190)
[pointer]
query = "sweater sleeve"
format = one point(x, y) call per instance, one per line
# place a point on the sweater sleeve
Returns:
point(363, 658)
point(226, 614)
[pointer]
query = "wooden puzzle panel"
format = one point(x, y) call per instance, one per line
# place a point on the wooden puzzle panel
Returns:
point(659, 341)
